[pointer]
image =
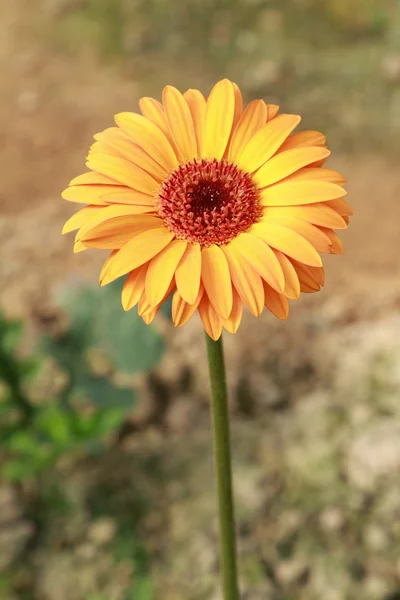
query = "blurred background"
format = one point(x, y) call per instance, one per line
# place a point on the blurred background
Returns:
point(106, 481)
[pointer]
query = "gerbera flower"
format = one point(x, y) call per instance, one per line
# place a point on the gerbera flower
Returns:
point(221, 205)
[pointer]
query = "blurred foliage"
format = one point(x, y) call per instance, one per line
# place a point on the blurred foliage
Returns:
point(89, 406)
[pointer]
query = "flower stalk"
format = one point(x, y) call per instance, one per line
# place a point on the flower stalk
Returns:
point(223, 468)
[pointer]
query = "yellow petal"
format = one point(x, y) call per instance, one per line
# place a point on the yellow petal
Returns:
point(79, 247)
point(266, 142)
point(314, 173)
point(115, 232)
point(133, 287)
point(91, 178)
point(312, 234)
point(276, 303)
point(100, 147)
point(302, 139)
point(150, 137)
point(251, 121)
point(291, 193)
point(181, 310)
point(154, 111)
point(318, 214)
point(292, 284)
point(217, 280)
point(110, 212)
point(211, 321)
point(219, 119)
point(232, 323)
point(261, 257)
point(284, 164)
point(337, 246)
point(246, 281)
point(115, 138)
point(162, 269)
point(272, 111)
point(197, 106)
point(142, 248)
point(80, 218)
point(132, 197)
point(124, 172)
point(188, 273)
point(289, 242)
point(90, 194)
point(341, 207)
point(236, 115)
point(180, 123)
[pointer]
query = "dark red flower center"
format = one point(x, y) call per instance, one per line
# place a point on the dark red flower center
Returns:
point(209, 202)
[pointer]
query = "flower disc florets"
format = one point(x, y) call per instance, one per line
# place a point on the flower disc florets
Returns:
point(209, 202)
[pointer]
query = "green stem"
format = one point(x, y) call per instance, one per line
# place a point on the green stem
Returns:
point(223, 469)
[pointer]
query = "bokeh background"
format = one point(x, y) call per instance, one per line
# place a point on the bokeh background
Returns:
point(106, 482)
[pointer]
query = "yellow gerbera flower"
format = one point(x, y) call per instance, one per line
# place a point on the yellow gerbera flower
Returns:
point(221, 205)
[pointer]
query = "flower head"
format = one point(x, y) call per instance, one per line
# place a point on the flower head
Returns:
point(221, 205)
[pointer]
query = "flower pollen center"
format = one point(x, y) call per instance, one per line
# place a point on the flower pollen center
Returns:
point(209, 202)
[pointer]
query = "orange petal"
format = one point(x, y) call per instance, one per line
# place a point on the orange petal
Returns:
point(277, 303)
point(219, 119)
point(303, 139)
point(266, 142)
point(337, 246)
point(180, 123)
point(284, 164)
point(211, 321)
point(181, 310)
point(115, 232)
point(150, 137)
point(312, 234)
point(90, 194)
point(261, 258)
point(288, 241)
point(341, 207)
point(311, 278)
point(162, 269)
point(246, 281)
point(290, 193)
point(251, 121)
point(133, 287)
point(292, 284)
point(142, 248)
point(232, 323)
point(132, 152)
point(197, 106)
point(146, 310)
point(318, 214)
point(188, 273)
point(106, 266)
point(124, 172)
point(272, 111)
point(217, 280)
point(80, 218)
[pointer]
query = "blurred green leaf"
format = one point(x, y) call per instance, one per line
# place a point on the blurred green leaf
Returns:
point(143, 589)
point(55, 423)
point(102, 392)
point(97, 318)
